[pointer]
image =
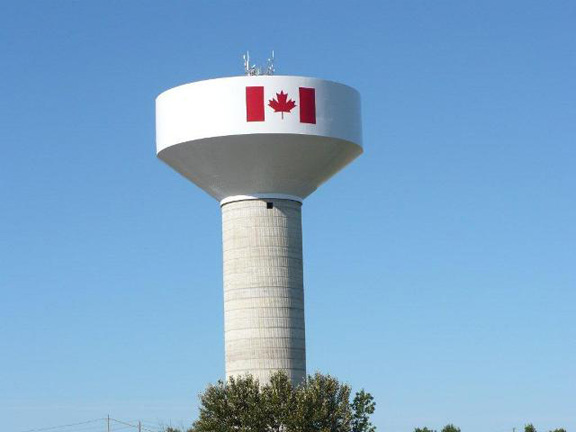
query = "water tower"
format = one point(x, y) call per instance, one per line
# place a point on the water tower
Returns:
point(260, 145)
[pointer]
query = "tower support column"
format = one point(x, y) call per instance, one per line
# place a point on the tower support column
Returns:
point(263, 288)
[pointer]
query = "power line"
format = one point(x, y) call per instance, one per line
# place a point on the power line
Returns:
point(64, 426)
point(147, 423)
point(93, 427)
point(139, 426)
point(155, 423)
point(114, 429)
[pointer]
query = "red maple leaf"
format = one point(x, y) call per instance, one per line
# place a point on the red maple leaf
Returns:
point(282, 104)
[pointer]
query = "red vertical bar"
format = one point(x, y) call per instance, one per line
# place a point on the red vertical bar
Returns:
point(307, 105)
point(254, 104)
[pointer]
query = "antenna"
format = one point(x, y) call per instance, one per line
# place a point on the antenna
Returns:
point(270, 69)
point(248, 70)
point(254, 70)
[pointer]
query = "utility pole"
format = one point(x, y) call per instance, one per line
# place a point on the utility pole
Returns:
point(108, 423)
point(139, 426)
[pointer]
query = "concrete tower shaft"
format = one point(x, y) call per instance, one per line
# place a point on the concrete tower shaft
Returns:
point(263, 288)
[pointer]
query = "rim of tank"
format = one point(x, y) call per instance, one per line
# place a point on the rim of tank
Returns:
point(260, 197)
point(256, 76)
point(359, 145)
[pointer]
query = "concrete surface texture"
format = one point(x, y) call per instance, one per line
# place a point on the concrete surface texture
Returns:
point(263, 288)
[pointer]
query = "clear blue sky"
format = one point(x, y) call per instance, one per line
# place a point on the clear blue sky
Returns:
point(440, 267)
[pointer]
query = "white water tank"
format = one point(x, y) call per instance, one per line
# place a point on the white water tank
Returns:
point(260, 145)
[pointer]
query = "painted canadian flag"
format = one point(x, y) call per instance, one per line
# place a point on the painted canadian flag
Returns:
point(281, 103)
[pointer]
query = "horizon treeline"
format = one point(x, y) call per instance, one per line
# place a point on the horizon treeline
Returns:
point(451, 428)
point(321, 403)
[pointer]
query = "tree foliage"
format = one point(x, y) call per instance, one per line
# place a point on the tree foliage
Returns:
point(363, 406)
point(447, 428)
point(530, 428)
point(320, 404)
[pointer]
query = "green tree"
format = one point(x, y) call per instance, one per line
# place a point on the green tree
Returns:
point(234, 406)
point(320, 404)
point(450, 428)
point(559, 430)
point(279, 395)
point(363, 406)
point(529, 428)
point(424, 429)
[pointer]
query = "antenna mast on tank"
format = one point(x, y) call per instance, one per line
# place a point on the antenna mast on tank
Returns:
point(254, 70)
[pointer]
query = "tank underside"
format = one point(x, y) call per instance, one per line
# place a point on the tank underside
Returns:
point(290, 164)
